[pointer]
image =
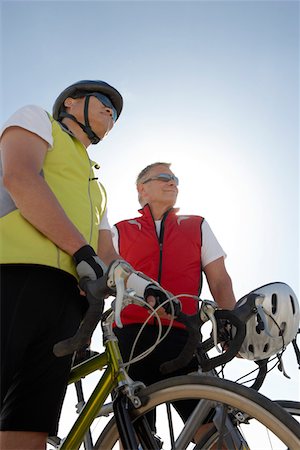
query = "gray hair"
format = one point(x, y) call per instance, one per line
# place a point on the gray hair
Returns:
point(148, 168)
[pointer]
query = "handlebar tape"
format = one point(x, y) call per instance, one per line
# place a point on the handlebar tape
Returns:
point(193, 325)
point(237, 317)
point(95, 293)
point(233, 345)
point(188, 351)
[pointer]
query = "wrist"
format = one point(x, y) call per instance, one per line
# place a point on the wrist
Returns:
point(84, 252)
point(88, 264)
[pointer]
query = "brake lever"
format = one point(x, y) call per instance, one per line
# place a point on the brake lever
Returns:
point(238, 318)
point(116, 279)
point(207, 312)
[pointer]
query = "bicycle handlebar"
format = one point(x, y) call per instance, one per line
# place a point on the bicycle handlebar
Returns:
point(238, 319)
point(98, 290)
point(193, 323)
point(95, 292)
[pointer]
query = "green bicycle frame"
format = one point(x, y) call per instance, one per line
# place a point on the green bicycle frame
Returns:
point(110, 379)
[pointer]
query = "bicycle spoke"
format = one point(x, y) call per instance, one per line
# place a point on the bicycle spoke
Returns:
point(243, 418)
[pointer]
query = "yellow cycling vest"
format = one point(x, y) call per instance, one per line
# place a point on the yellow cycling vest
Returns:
point(69, 173)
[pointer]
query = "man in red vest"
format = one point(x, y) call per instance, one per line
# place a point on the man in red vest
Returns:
point(174, 250)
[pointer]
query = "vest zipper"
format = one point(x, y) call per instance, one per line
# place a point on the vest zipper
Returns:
point(90, 199)
point(160, 240)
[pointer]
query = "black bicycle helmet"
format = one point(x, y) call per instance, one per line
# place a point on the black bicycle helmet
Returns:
point(86, 88)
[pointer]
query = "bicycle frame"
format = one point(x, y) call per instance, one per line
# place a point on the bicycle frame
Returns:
point(115, 379)
point(114, 375)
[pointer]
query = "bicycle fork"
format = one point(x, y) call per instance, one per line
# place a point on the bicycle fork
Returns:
point(132, 435)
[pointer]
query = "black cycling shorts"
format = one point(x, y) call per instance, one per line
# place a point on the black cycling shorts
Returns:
point(39, 307)
point(148, 369)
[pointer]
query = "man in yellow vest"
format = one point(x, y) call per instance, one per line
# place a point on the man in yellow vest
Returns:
point(53, 211)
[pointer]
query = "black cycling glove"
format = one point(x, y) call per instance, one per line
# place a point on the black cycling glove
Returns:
point(161, 297)
point(88, 264)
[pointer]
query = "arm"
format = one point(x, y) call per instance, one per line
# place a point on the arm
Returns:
point(220, 283)
point(23, 155)
point(106, 250)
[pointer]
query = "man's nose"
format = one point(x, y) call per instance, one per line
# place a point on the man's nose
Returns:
point(109, 111)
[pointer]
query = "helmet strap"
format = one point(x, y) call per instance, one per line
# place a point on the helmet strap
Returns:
point(86, 128)
point(91, 135)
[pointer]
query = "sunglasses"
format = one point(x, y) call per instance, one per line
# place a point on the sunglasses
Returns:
point(106, 102)
point(163, 177)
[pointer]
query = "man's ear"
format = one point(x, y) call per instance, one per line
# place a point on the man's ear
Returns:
point(68, 102)
point(71, 101)
point(141, 190)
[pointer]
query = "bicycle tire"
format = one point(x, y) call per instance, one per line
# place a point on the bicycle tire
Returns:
point(210, 440)
point(211, 437)
point(290, 406)
point(254, 404)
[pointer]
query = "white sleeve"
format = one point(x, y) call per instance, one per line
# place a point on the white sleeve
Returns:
point(115, 238)
point(135, 282)
point(104, 223)
point(211, 249)
point(34, 119)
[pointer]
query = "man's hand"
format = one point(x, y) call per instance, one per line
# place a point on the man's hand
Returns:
point(88, 264)
point(155, 296)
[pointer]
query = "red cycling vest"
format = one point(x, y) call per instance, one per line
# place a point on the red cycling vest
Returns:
point(173, 258)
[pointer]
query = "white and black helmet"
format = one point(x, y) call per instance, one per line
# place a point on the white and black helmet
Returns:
point(87, 88)
point(269, 333)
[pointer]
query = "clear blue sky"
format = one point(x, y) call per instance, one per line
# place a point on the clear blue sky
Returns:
point(211, 86)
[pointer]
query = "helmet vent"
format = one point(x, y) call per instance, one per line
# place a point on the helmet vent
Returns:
point(266, 348)
point(260, 325)
point(274, 303)
point(274, 322)
point(282, 328)
point(293, 304)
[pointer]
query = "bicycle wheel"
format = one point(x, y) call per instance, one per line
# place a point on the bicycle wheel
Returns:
point(270, 425)
point(290, 406)
point(210, 438)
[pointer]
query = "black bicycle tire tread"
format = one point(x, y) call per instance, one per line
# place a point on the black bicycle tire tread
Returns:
point(274, 409)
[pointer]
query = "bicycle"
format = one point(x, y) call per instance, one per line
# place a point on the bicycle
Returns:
point(233, 404)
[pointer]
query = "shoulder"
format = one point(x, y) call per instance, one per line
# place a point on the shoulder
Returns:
point(190, 216)
point(34, 119)
point(211, 248)
point(189, 220)
point(128, 221)
point(207, 233)
point(206, 229)
point(129, 226)
point(27, 115)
